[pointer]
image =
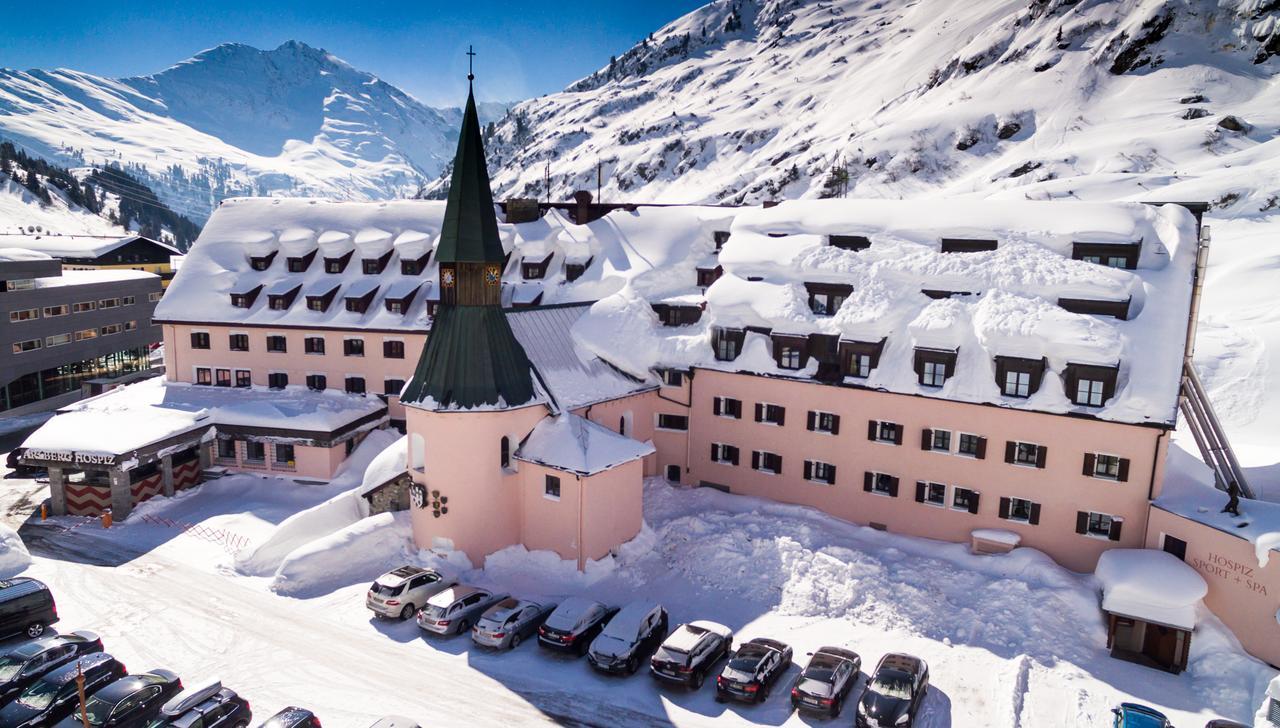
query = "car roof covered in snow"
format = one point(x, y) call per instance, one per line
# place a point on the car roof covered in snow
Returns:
point(628, 619)
point(454, 593)
point(687, 636)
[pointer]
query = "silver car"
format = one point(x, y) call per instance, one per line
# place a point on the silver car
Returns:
point(399, 593)
point(508, 622)
point(455, 609)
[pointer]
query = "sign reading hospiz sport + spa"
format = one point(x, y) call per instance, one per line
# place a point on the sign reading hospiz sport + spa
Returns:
point(67, 456)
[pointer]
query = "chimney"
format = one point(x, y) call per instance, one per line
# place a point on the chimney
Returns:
point(582, 213)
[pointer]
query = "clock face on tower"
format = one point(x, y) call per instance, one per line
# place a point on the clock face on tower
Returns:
point(446, 277)
point(492, 275)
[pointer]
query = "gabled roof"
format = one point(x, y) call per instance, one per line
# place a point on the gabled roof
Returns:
point(578, 445)
point(470, 231)
point(472, 360)
point(77, 246)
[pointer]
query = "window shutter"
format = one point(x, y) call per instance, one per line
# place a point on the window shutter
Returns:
point(835, 426)
point(973, 503)
point(777, 461)
point(717, 406)
point(926, 439)
point(1008, 451)
point(715, 450)
point(871, 430)
point(867, 479)
point(920, 488)
point(808, 469)
point(812, 420)
point(982, 448)
point(1114, 535)
point(759, 412)
point(733, 455)
point(1041, 452)
point(897, 434)
point(1082, 522)
point(755, 459)
point(831, 474)
point(893, 487)
point(1035, 514)
point(782, 416)
point(1089, 461)
point(1122, 474)
point(1004, 507)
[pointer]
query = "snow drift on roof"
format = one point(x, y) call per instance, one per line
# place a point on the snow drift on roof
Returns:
point(11, 255)
point(1150, 585)
point(74, 246)
point(578, 445)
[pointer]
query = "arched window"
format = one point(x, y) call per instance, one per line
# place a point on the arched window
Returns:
point(622, 425)
point(506, 452)
point(417, 452)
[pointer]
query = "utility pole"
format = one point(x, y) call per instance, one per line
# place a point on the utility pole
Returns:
point(599, 179)
point(546, 181)
point(84, 713)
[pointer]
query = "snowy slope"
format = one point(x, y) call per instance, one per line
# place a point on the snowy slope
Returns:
point(21, 212)
point(235, 120)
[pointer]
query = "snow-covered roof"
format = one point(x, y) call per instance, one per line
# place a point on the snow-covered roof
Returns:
point(137, 415)
point(13, 255)
point(1150, 585)
point(73, 246)
point(1012, 308)
point(651, 248)
point(578, 445)
point(1188, 491)
point(391, 462)
point(87, 277)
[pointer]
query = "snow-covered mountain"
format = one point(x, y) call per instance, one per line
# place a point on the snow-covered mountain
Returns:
point(747, 100)
point(236, 120)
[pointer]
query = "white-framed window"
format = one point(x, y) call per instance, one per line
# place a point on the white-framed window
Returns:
point(112, 329)
point(108, 302)
point(20, 284)
point(937, 440)
point(26, 314)
point(57, 340)
point(860, 365)
point(766, 462)
point(880, 484)
point(965, 499)
point(1106, 467)
point(727, 407)
point(671, 377)
point(551, 488)
point(934, 374)
point(789, 357)
point(155, 296)
point(21, 347)
point(724, 454)
point(726, 348)
point(771, 414)
point(1020, 509)
point(84, 307)
point(1017, 384)
point(884, 431)
point(934, 494)
point(1099, 525)
point(130, 325)
point(1025, 453)
point(819, 472)
point(827, 422)
point(1089, 392)
point(127, 300)
point(664, 421)
point(61, 309)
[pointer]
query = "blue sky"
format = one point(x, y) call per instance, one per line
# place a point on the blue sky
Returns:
point(525, 48)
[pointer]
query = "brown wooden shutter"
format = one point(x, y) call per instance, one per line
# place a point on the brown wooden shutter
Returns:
point(893, 487)
point(867, 479)
point(811, 421)
point(835, 425)
point(759, 412)
point(1035, 514)
point(831, 475)
point(755, 459)
point(1082, 522)
point(1009, 447)
point(1004, 507)
point(982, 448)
point(871, 430)
point(715, 450)
point(1041, 453)
point(974, 501)
point(1114, 534)
point(782, 416)
point(1090, 460)
point(1122, 474)
point(897, 434)
point(926, 439)
point(808, 468)
point(777, 459)
point(717, 406)
point(733, 455)
point(921, 486)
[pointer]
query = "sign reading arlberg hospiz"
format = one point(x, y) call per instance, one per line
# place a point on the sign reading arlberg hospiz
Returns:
point(69, 457)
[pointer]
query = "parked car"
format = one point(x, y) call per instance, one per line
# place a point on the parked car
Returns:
point(894, 695)
point(55, 696)
point(204, 705)
point(825, 682)
point(1132, 715)
point(752, 670)
point(1224, 723)
point(689, 653)
point(130, 702)
point(26, 607)
point(292, 717)
point(399, 593)
point(631, 636)
point(395, 721)
point(455, 609)
point(574, 624)
point(28, 663)
point(511, 620)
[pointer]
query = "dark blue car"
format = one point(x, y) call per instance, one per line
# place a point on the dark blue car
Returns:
point(1132, 715)
point(26, 664)
point(56, 696)
point(130, 702)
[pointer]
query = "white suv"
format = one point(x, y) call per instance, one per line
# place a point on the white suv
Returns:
point(399, 593)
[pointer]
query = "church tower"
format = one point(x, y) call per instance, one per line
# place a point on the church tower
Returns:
point(472, 398)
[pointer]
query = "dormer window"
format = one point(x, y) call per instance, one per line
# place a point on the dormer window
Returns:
point(859, 358)
point(707, 276)
point(1089, 385)
point(721, 237)
point(1112, 255)
point(319, 297)
point(262, 262)
point(849, 242)
point(790, 352)
point(358, 299)
point(676, 314)
point(968, 245)
point(375, 266)
point(574, 271)
point(727, 343)
point(280, 299)
point(1019, 377)
point(825, 299)
point(300, 264)
point(1097, 307)
point(337, 265)
point(934, 366)
point(245, 298)
point(938, 294)
point(415, 266)
point(533, 269)
point(400, 296)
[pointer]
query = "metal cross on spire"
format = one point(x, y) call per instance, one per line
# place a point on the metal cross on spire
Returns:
point(471, 57)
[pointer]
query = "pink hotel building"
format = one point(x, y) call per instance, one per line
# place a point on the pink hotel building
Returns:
point(989, 372)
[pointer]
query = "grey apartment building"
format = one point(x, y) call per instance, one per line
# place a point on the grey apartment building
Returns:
point(59, 329)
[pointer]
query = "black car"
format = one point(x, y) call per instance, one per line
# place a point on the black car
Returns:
point(206, 705)
point(690, 652)
point(26, 607)
point(129, 702)
point(896, 691)
point(824, 684)
point(292, 717)
point(631, 636)
point(26, 664)
point(753, 670)
point(56, 696)
point(574, 624)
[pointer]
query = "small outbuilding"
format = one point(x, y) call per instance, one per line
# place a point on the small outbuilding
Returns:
point(1150, 599)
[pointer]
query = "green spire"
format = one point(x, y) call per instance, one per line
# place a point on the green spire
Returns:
point(470, 231)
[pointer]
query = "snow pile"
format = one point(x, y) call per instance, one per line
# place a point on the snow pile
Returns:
point(578, 445)
point(997, 535)
point(14, 556)
point(1150, 585)
point(545, 567)
point(360, 551)
point(393, 460)
point(624, 331)
point(75, 246)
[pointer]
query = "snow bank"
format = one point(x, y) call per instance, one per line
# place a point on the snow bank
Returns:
point(1150, 585)
point(14, 556)
point(358, 552)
